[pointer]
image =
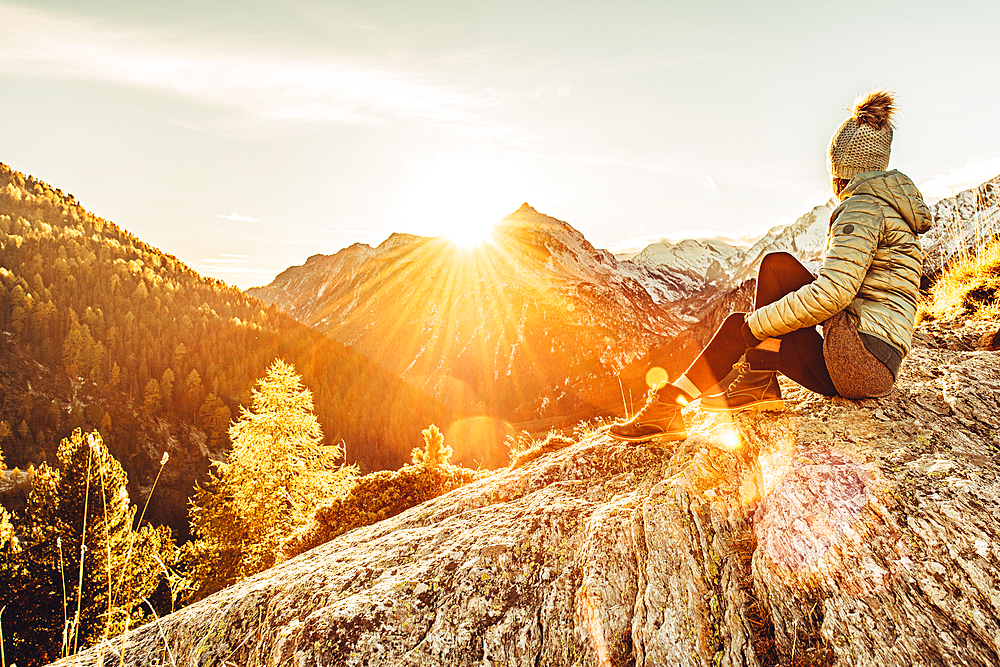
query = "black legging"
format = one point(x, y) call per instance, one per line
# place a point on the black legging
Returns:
point(801, 354)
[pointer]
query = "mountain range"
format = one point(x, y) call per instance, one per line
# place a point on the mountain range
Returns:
point(537, 325)
point(533, 325)
point(539, 328)
point(535, 330)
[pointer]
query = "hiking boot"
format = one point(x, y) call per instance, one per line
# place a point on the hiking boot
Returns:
point(660, 418)
point(752, 385)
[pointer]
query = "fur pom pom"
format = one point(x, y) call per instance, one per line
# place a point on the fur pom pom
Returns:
point(875, 109)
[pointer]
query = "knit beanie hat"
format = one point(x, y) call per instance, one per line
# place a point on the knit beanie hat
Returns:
point(862, 142)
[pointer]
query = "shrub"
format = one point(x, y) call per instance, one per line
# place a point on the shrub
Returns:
point(523, 449)
point(383, 494)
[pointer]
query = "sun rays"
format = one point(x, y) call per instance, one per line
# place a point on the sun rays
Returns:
point(461, 198)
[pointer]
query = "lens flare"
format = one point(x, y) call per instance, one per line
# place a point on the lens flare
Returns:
point(656, 376)
point(729, 439)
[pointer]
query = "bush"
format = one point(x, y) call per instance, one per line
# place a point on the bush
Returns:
point(384, 494)
point(523, 449)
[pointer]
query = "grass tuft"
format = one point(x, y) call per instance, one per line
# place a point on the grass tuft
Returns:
point(969, 286)
point(525, 450)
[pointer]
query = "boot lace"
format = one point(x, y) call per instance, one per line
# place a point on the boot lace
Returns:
point(651, 397)
point(742, 367)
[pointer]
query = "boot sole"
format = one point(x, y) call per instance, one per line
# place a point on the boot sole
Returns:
point(675, 435)
point(775, 405)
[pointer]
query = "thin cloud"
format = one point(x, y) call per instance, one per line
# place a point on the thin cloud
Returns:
point(236, 217)
point(261, 81)
point(969, 175)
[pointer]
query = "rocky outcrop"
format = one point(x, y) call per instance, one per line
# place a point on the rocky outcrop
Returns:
point(834, 533)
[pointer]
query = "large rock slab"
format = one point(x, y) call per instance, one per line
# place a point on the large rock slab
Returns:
point(834, 533)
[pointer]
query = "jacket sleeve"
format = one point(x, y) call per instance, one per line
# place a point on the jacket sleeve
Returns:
point(855, 233)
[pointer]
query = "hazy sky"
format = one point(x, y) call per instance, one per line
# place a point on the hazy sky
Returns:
point(245, 137)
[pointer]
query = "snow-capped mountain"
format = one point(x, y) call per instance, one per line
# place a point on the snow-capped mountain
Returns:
point(536, 324)
point(695, 265)
point(961, 223)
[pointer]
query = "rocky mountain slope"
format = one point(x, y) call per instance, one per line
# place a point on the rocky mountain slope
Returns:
point(535, 324)
point(834, 533)
point(962, 223)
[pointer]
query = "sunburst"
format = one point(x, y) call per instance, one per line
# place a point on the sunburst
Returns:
point(461, 199)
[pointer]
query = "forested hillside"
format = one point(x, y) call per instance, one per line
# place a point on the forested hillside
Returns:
point(100, 330)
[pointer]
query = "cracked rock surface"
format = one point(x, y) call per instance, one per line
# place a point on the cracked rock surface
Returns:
point(834, 533)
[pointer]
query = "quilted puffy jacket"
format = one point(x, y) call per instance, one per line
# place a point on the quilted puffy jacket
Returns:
point(872, 264)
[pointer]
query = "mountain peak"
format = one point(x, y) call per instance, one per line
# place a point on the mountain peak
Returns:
point(398, 239)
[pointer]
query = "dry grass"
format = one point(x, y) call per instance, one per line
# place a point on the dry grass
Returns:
point(969, 286)
point(523, 449)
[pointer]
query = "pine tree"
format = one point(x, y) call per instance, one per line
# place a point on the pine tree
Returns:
point(278, 469)
point(78, 530)
point(435, 452)
point(214, 419)
point(151, 400)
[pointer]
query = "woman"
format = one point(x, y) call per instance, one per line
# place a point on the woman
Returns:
point(865, 296)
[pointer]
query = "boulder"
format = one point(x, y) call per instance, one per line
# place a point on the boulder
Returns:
point(834, 533)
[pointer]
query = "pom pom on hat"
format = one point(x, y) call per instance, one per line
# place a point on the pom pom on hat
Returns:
point(875, 109)
point(862, 142)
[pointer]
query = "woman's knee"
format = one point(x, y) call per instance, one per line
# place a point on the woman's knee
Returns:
point(775, 260)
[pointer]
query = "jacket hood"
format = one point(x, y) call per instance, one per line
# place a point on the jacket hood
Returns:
point(898, 191)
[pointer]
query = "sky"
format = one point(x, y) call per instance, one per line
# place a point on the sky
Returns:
point(245, 137)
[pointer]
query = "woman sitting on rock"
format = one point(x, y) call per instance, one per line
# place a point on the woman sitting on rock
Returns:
point(865, 296)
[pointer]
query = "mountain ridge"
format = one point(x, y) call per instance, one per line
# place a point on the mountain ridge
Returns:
point(499, 307)
point(103, 331)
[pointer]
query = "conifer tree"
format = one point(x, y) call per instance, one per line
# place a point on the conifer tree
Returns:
point(151, 400)
point(78, 530)
point(435, 452)
point(276, 471)
point(6, 527)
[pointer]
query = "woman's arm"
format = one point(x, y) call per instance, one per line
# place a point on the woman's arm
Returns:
point(856, 230)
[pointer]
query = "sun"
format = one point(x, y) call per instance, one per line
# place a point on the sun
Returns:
point(471, 236)
point(461, 198)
